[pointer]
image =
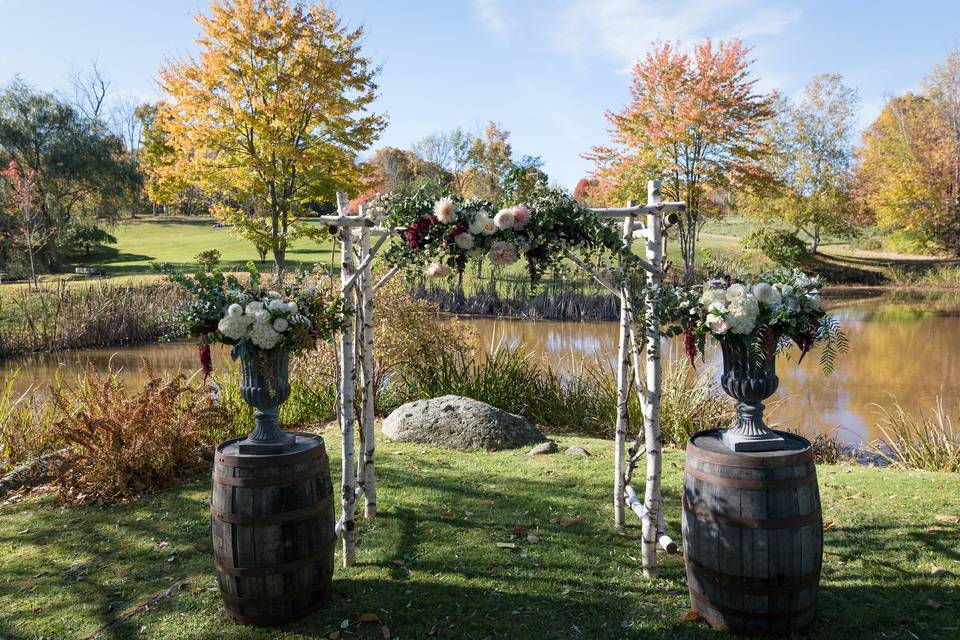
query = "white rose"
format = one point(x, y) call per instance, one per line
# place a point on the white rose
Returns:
point(437, 270)
point(504, 219)
point(280, 325)
point(766, 293)
point(735, 291)
point(445, 211)
point(489, 227)
point(476, 227)
point(234, 310)
point(293, 308)
point(717, 324)
point(464, 241)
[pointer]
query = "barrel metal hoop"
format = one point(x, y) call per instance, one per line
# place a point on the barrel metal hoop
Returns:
point(275, 518)
point(271, 482)
point(259, 572)
point(751, 523)
point(286, 597)
point(748, 483)
point(703, 601)
point(747, 461)
point(755, 586)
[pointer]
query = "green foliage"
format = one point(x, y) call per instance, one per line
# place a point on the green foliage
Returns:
point(161, 267)
point(782, 247)
point(83, 237)
point(208, 259)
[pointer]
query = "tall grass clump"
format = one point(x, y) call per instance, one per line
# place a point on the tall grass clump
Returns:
point(85, 316)
point(928, 442)
point(26, 424)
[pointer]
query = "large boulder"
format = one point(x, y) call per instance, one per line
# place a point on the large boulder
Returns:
point(459, 423)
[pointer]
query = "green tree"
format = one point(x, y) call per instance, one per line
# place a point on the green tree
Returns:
point(810, 160)
point(273, 110)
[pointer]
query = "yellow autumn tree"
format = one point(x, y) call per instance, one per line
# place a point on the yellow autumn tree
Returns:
point(269, 116)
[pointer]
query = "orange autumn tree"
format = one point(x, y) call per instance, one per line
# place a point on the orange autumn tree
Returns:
point(269, 117)
point(693, 119)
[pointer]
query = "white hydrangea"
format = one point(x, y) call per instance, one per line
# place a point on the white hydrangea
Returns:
point(253, 307)
point(814, 301)
point(742, 314)
point(766, 293)
point(277, 306)
point(464, 241)
point(263, 335)
point(292, 308)
point(234, 327)
point(711, 295)
point(261, 316)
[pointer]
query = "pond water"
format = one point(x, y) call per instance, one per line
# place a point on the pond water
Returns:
point(903, 349)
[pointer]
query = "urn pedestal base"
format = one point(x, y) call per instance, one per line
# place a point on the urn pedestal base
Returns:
point(284, 444)
point(769, 441)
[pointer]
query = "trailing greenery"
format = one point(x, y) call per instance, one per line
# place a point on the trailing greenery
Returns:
point(429, 566)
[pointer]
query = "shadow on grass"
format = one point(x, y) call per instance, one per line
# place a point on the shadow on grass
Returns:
point(429, 566)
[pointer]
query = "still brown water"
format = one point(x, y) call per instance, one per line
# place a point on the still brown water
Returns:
point(904, 350)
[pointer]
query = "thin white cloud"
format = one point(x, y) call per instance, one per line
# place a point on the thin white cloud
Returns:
point(622, 30)
point(490, 13)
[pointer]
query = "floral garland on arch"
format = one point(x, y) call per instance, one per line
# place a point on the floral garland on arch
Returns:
point(442, 232)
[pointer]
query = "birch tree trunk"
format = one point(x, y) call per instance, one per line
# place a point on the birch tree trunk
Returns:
point(348, 479)
point(651, 415)
point(368, 473)
point(623, 389)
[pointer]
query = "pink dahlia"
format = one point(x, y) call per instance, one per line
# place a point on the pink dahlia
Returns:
point(521, 216)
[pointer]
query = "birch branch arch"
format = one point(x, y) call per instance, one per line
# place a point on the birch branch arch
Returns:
point(638, 362)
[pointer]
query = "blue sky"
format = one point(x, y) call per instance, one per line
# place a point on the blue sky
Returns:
point(544, 69)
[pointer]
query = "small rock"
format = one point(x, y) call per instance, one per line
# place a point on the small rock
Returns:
point(532, 538)
point(577, 451)
point(937, 571)
point(543, 448)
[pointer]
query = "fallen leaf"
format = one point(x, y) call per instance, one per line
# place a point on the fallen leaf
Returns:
point(945, 519)
point(569, 521)
point(487, 501)
point(368, 617)
point(532, 539)
point(937, 571)
point(385, 630)
point(828, 525)
point(506, 545)
point(334, 635)
point(933, 604)
point(936, 530)
point(690, 616)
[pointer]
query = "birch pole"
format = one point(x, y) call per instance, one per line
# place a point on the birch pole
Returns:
point(367, 475)
point(651, 414)
point(623, 388)
point(348, 495)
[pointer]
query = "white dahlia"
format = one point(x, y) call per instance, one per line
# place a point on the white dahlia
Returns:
point(445, 210)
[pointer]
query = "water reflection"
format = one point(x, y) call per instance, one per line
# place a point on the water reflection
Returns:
point(905, 349)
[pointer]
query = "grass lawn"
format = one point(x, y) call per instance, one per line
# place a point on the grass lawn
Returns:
point(428, 565)
point(179, 240)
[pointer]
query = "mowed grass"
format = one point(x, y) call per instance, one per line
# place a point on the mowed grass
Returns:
point(179, 240)
point(429, 566)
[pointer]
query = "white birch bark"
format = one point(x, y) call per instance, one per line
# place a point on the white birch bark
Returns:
point(651, 416)
point(348, 479)
point(367, 474)
point(623, 390)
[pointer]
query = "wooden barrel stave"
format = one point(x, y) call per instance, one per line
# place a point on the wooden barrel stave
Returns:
point(753, 555)
point(273, 533)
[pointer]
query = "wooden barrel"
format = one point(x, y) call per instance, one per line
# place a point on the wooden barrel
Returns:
point(273, 531)
point(752, 535)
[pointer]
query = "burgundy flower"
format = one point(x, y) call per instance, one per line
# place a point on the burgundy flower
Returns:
point(206, 361)
point(690, 344)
